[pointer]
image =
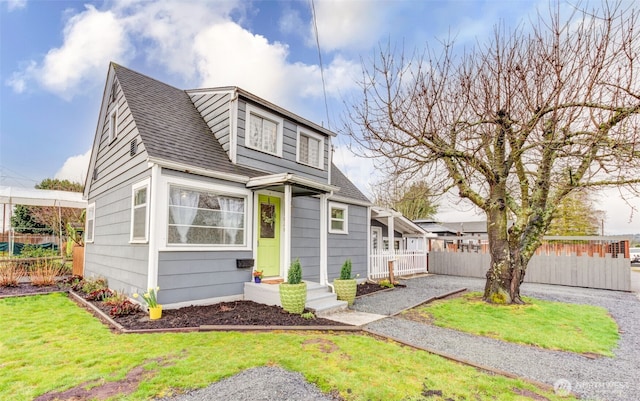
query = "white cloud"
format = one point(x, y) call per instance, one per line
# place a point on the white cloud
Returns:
point(361, 171)
point(168, 29)
point(228, 54)
point(13, 5)
point(348, 24)
point(75, 168)
point(91, 39)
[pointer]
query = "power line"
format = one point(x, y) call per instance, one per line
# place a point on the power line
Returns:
point(324, 86)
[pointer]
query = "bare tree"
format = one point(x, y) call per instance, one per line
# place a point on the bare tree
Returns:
point(413, 200)
point(514, 125)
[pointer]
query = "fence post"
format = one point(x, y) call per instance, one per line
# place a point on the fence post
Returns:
point(390, 266)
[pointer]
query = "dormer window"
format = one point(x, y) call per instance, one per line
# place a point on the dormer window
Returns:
point(263, 131)
point(311, 149)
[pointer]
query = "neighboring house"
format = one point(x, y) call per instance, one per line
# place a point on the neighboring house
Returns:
point(186, 187)
point(453, 228)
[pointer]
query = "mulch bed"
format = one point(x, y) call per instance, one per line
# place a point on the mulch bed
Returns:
point(367, 288)
point(238, 313)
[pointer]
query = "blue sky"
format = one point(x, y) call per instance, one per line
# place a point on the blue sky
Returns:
point(54, 57)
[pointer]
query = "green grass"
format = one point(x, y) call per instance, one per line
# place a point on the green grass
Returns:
point(47, 343)
point(546, 324)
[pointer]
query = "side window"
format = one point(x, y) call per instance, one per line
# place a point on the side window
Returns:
point(140, 212)
point(91, 222)
point(338, 218)
point(311, 149)
point(263, 131)
point(113, 125)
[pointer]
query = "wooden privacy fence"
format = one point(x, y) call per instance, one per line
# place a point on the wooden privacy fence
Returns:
point(575, 262)
point(78, 261)
point(405, 263)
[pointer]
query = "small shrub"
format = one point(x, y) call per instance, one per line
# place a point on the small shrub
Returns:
point(294, 276)
point(385, 284)
point(73, 282)
point(308, 315)
point(124, 308)
point(11, 273)
point(115, 298)
point(345, 271)
point(44, 272)
point(36, 251)
point(99, 295)
point(91, 284)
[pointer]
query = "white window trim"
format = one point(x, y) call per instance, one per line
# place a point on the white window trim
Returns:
point(92, 207)
point(334, 205)
point(134, 188)
point(279, 121)
point(113, 124)
point(163, 214)
point(321, 150)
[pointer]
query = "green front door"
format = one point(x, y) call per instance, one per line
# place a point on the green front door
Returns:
point(268, 235)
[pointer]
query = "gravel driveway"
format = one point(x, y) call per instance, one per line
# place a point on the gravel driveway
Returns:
point(603, 378)
point(612, 379)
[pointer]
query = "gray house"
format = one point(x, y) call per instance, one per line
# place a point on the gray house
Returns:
point(191, 190)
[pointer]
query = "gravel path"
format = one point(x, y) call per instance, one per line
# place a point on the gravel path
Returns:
point(258, 384)
point(610, 379)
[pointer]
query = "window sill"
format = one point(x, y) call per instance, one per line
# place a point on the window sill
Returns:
point(339, 232)
point(139, 241)
point(178, 248)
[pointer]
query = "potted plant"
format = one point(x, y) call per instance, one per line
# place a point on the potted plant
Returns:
point(257, 276)
point(346, 287)
point(151, 299)
point(293, 293)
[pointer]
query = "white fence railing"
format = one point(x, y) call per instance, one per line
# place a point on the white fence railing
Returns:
point(405, 263)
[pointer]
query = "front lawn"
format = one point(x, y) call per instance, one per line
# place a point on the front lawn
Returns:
point(48, 343)
point(546, 324)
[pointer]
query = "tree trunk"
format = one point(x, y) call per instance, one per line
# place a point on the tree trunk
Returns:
point(507, 269)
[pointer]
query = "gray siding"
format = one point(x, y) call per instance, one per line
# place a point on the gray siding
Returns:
point(350, 246)
point(186, 276)
point(191, 276)
point(114, 164)
point(305, 236)
point(111, 255)
point(273, 164)
point(214, 109)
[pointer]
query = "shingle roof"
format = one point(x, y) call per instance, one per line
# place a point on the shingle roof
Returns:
point(170, 126)
point(172, 129)
point(347, 188)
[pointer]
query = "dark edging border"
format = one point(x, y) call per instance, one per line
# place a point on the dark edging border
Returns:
point(453, 358)
point(204, 328)
point(31, 294)
point(430, 299)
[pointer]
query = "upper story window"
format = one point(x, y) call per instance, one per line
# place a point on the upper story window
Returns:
point(310, 149)
point(338, 218)
point(140, 212)
point(113, 124)
point(263, 131)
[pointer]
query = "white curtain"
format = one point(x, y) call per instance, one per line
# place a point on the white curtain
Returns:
point(232, 216)
point(184, 207)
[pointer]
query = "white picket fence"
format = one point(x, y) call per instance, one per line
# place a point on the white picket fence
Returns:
point(404, 263)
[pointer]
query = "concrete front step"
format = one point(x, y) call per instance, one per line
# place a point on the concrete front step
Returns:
point(319, 298)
